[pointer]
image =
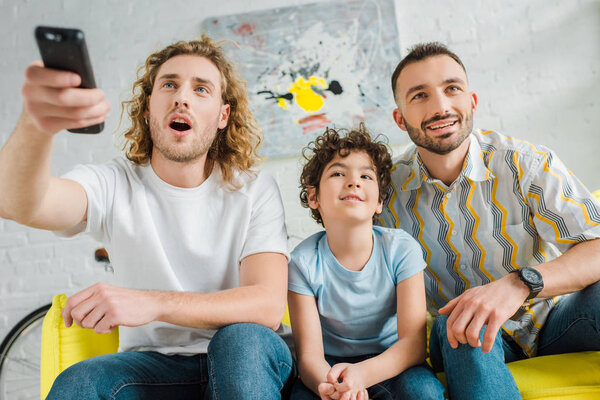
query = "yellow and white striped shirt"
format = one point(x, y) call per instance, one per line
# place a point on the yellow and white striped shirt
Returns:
point(514, 204)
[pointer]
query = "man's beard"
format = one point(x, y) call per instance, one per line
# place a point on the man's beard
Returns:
point(437, 145)
point(194, 149)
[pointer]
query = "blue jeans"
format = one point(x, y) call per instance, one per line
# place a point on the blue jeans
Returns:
point(414, 383)
point(572, 326)
point(244, 361)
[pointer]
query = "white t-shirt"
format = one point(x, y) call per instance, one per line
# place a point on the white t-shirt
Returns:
point(162, 237)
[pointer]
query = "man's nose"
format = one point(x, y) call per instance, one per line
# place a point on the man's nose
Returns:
point(440, 104)
point(181, 99)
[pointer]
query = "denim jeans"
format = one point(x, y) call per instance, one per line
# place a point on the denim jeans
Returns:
point(572, 326)
point(244, 361)
point(418, 382)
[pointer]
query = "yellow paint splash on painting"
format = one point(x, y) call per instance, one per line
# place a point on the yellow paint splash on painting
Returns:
point(281, 103)
point(305, 96)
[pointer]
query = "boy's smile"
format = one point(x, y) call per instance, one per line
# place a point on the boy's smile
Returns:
point(348, 190)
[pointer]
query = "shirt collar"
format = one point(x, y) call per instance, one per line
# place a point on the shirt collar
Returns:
point(474, 168)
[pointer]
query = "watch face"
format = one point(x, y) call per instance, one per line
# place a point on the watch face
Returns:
point(531, 275)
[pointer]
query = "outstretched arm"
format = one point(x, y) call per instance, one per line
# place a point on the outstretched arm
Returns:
point(259, 299)
point(52, 102)
point(494, 303)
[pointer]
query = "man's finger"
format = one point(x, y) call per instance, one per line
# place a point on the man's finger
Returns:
point(39, 75)
point(447, 309)
point(48, 110)
point(474, 328)
point(66, 97)
point(490, 334)
point(72, 302)
point(92, 318)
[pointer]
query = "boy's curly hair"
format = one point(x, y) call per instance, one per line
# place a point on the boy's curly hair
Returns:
point(324, 148)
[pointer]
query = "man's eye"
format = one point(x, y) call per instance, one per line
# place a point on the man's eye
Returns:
point(168, 85)
point(418, 96)
point(454, 88)
point(201, 90)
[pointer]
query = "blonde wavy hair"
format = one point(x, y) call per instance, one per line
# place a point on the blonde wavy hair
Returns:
point(235, 146)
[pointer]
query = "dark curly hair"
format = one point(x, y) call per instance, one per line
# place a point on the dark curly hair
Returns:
point(324, 148)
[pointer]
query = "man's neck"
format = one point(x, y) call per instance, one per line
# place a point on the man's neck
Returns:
point(445, 167)
point(351, 245)
point(181, 174)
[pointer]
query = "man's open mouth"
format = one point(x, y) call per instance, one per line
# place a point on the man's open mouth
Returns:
point(179, 124)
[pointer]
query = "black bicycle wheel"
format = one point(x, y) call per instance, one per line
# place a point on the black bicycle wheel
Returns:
point(20, 358)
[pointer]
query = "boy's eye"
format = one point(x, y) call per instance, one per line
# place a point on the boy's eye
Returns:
point(369, 177)
point(337, 174)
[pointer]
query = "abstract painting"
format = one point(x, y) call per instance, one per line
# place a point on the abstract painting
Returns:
point(315, 65)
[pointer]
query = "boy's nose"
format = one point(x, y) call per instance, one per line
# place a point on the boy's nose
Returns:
point(354, 184)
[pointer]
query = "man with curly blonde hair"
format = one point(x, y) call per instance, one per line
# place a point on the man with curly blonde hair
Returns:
point(196, 235)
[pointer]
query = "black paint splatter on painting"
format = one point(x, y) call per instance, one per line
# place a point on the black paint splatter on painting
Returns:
point(335, 88)
point(286, 96)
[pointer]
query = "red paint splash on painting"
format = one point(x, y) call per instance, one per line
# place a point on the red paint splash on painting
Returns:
point(245, 29)
point(313, 123)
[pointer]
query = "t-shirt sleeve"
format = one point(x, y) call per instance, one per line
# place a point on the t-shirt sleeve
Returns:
point(408, 258)
point(297, 280)
point(266, 231)
point(96, 181)
point(564, 211)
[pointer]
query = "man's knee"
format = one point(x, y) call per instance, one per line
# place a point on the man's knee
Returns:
point(85, 379)
point(438, 329)
point(248, 361)
point(248, 342)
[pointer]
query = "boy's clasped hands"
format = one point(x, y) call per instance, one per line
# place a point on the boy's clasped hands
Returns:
point(344, 382)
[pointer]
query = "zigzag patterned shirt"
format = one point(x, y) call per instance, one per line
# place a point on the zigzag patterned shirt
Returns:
point(514, 205)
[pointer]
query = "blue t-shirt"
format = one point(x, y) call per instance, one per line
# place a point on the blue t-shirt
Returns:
point(357, 309)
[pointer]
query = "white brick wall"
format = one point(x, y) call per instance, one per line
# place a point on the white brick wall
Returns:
point(533, 64)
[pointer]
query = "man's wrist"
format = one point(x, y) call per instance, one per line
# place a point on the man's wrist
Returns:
point(532, 279)
point(518, 284)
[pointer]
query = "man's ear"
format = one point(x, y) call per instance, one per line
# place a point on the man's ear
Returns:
point(398, 118)
point(473, 101)
point(224, 116)
point(312, 198)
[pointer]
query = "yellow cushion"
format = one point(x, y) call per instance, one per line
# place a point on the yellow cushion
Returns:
point(562, 376)
point(573, 376)
point(63, 347)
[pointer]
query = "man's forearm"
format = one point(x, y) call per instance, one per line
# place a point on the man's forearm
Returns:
point(253, 304)
point(574, 270)
point(24, 171)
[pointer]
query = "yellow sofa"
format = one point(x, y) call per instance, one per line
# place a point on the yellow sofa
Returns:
point(566, 377)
